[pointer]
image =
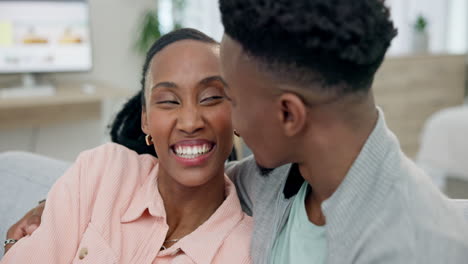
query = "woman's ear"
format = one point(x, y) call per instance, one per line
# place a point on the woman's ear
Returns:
point(144, 121)
point(293, 114)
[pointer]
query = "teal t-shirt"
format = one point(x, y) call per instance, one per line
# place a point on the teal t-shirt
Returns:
point(300, 241)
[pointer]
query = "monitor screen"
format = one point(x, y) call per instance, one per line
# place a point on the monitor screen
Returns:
point(44, 36)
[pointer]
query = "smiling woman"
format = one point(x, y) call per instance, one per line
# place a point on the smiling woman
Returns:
point(188, 113)
point(115, 206)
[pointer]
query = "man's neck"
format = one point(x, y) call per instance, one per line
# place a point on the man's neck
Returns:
point(327, 161)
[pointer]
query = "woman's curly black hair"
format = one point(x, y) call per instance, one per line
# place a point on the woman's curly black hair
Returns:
point(126, 127)
point(343, 42)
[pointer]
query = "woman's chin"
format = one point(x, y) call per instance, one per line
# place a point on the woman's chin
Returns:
point(194, 178)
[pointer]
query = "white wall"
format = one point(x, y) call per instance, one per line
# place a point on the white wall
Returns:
point(447, 24)
point(204, 15)
point(114, 24)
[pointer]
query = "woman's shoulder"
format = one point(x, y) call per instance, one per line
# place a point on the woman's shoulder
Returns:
point(118, 157)
point(114, 166)
point(115, 150)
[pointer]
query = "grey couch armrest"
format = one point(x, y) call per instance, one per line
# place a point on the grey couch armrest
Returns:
point(25, 179)
point(463, 205)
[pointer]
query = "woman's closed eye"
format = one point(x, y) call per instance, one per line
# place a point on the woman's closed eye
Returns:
point(168, 102)
point(212, 96)
point(166, 99)
point(212, 99)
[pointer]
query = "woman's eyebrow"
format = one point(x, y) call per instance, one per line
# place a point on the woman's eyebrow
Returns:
point(210, 79)
point(164, 84)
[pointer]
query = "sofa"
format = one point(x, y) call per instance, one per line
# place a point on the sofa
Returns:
point(26, 178)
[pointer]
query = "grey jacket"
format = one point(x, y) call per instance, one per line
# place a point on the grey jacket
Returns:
point(385, 211)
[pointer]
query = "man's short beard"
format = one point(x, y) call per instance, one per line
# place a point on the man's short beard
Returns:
point(265, 172)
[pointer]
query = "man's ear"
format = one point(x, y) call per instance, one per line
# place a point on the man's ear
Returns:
point(292, 114)
point(144, 121)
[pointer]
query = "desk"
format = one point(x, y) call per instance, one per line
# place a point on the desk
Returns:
point(69, 103)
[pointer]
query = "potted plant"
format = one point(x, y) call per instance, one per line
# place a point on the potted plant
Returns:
point(420, 37)
point(178, 7)
point(150, 31)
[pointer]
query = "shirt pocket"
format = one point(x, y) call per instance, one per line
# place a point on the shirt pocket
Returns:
point(94, 249)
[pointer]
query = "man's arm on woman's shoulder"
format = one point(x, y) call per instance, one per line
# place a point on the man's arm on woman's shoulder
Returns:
point(242, 175)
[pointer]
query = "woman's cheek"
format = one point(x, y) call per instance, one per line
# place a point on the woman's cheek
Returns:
point(226, 131)
point(223, 116)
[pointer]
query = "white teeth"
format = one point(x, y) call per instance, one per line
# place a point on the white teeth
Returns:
point(191, 152)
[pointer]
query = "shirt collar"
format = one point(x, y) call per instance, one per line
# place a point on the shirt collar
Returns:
point(203, 243)
point(147, 197)
point(294, 182)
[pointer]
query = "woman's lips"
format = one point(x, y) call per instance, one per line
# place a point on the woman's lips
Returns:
point(193, 152)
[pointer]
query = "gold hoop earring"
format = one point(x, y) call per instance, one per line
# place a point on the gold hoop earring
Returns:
point(149, 140)
point(236, 133)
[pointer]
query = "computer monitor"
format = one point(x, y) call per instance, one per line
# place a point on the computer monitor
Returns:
point(38, 36)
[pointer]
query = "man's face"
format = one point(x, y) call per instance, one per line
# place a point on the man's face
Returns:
point(254, 106)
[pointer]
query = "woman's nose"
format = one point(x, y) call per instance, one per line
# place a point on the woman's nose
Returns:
point(190, 120)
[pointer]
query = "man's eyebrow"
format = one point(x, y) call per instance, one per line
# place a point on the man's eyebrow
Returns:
point(215, 78)
point(164, 84)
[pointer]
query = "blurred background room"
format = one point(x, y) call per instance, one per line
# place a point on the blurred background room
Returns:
point(66, 66)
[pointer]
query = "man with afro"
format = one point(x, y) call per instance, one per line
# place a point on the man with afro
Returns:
point(329, 182)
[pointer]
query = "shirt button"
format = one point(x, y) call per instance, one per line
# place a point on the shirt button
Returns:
point(83, 253)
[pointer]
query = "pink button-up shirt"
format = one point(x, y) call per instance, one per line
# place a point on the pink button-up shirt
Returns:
point(107, 209)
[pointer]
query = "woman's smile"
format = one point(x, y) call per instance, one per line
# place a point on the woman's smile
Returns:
point(193, 152)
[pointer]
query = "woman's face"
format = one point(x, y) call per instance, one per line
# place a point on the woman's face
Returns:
point(187, 113)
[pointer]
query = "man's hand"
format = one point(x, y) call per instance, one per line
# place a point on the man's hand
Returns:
point(27, 225)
